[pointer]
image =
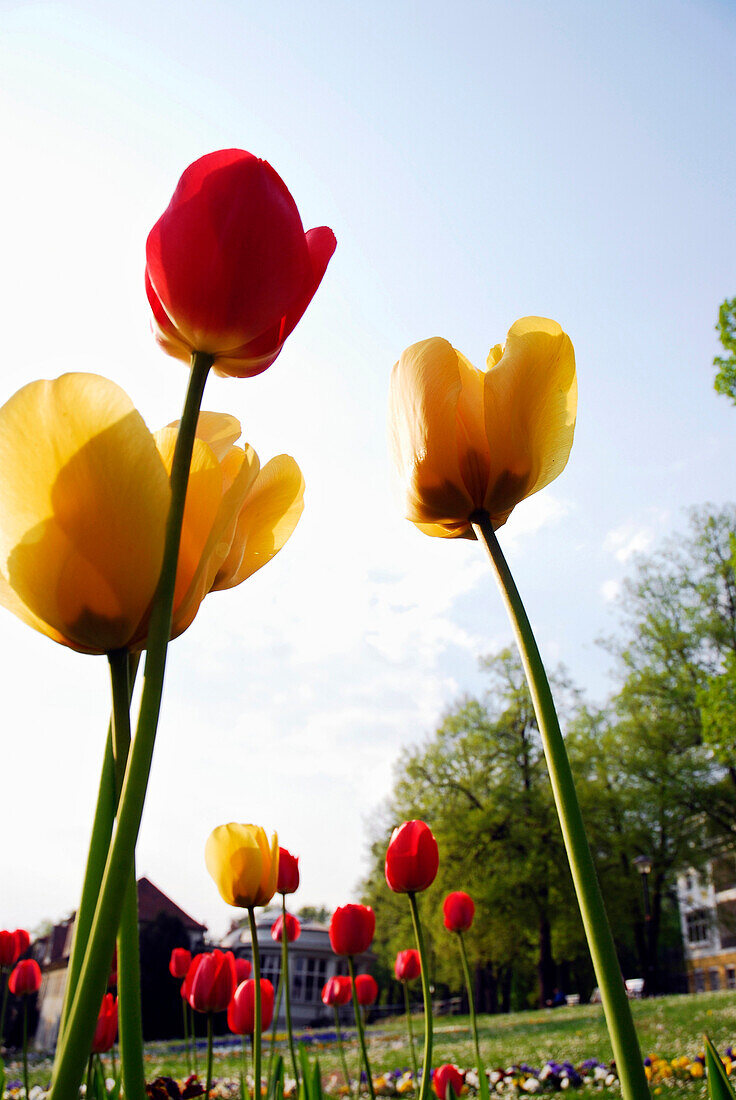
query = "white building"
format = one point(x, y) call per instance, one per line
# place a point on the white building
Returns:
point(707, 902)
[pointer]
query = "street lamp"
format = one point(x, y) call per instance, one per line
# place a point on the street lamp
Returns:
point(643, 865)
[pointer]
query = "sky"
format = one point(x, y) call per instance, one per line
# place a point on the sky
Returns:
point(564, 159)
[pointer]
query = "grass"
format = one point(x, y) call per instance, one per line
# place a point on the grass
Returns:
point(668, 1027)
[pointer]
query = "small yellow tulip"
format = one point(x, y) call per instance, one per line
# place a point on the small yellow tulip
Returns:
point(245, 869)
point(84, 498)
point(468, 440)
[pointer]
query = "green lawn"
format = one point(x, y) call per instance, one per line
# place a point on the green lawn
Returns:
point(669, 1027)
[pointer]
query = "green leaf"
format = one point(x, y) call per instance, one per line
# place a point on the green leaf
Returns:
point(483, 1083)
point(276, 1085)
point(2, 1077)
point(316, 1088)
point(719, 1086)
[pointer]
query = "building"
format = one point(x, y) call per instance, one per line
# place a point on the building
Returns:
point(52, 954)
point(707, 902)
point(311, 963)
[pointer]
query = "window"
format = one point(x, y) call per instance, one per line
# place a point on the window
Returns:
point(271, 966)
point(698, 981)
point(697, 922)
point(310, 975)
point(731, 977)
point(727, 923)
point(714, 978)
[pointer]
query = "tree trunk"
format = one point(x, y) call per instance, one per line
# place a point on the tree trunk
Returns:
point(546, 964)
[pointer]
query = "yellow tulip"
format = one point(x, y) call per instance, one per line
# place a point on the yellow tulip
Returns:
point(84, 497)
point(245, 869)
point(468, 440)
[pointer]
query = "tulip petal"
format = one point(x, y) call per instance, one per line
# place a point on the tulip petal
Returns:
point(83, 502)
point(530, 404)
point(425, 391)
point(267, 519)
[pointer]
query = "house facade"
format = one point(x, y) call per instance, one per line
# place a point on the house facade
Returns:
point(707, 901)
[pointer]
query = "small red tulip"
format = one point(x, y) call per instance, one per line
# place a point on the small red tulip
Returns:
point(211, 981)
point(351, 929)
point(241, 1012)
point(288, 872)
point(180, 961)
point(229, 268)
point(412, 858)
point(445, 1076)
point(22, 941)
point(366, 989)
point(408, 965)
point(293, 929)
point(336, 991)
point(25, 978)
point(107, 1025)
point(459, 910)
point(8, 948)
point(242, 969)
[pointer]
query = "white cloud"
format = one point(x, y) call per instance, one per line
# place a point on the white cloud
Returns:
point(610, 590)
point(628, 539)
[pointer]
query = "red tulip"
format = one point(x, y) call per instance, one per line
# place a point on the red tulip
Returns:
point(242, 969)
point(22, 941)
point(412, 858)
point(408, 965)
point(444, 1076)
point(211, 981)
point(241, 1012)
point(9, 953)
point(293, 929)
point(351, 929)
point(336, 991)
point(288, 872)
point(107, 1025)
point(180, 961)
point(25, 978)
point(366, 989)
point(229, 268)
point(459, 910)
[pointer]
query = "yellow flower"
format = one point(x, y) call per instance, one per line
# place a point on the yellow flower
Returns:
point(696, 1069)
point(468, 440)
point(84, 497)
point(245, 869)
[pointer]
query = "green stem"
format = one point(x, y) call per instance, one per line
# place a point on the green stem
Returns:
point(361, 1029)
point(287, 993)
point(208, 1087)
point(5, 974)
point(130, 1025)
point(276, 1011)
point(471, 1004)
point(193, 1033)
point(72, 1056)
point(90, 1061)
point(186, 1035)
point(427, 996)
point(25, 1044)
point(342, 1051)
point(257, 1002)
point(411, 1034)
point(626, 1051)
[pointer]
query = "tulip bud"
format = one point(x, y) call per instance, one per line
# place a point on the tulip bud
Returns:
point(288, 872)
point(107, 1025)
point(241, 1012)
point(351, 929)
point(412, 858)
point(336, 991)
point(447, 1082)
point(211, 981)
point(459, 910)
point(242, 970)
point(25, 978)
point(180, 961)
point(408, 965)
point(366, 989)
point(293, 929)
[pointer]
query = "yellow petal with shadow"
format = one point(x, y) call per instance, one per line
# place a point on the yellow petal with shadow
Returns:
point(83, 501)
point(425, 391)
point(267, 519)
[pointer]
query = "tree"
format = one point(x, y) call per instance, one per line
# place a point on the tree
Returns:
point(725, 380)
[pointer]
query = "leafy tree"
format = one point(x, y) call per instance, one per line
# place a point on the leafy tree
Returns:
point(320, 914)
point(725, 380)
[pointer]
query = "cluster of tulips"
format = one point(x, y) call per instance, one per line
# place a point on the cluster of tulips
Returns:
point(111, 537)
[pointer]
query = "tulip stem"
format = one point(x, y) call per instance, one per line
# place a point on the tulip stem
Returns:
point(411, 1034)
point(626, 1050)
point(276, 1011)
point(257, 1002)
point(4, 974)
point(361, 1029)
point(208, 1087)
point(130, 1025)
point(471, 1010)
point(72, 1054)
point(25, 1044)
point(186, 1035)
point(287, 994)
point(193, 1033)
point(426, 994)
point(341, 1048)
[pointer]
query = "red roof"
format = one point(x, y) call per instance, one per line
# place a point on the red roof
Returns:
point(152, 901)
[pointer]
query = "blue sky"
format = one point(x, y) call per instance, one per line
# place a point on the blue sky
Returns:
point(567, 159)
